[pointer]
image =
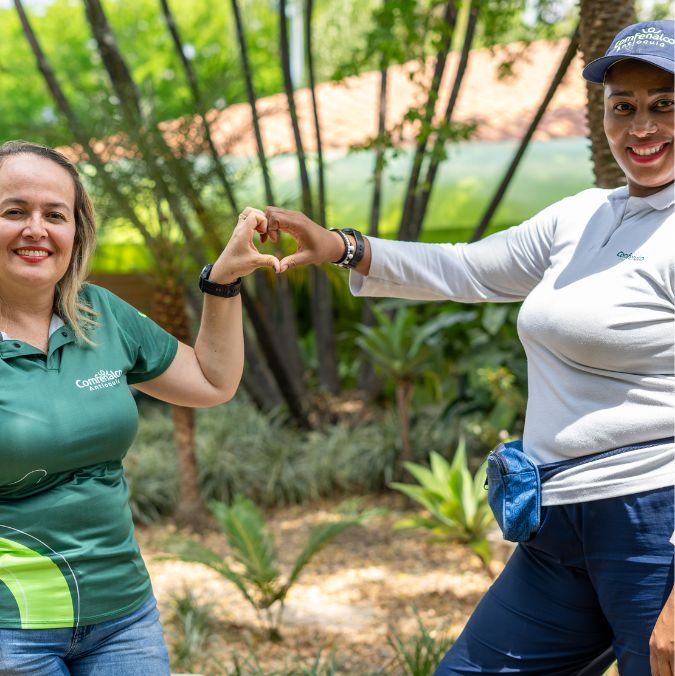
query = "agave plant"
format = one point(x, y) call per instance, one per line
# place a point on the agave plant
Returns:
point(258, 574)
point(456, 502)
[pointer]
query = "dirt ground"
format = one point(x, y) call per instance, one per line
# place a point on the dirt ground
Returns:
point(370, 581)
point(362, 585)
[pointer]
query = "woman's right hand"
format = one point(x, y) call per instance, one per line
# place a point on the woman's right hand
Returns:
point(316, 245)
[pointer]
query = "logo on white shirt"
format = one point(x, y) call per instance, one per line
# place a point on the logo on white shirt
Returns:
point(629, 256)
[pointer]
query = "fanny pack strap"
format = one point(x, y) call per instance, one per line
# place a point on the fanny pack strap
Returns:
point(550, 469)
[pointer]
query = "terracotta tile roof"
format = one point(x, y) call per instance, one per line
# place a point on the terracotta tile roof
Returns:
point(502, 108)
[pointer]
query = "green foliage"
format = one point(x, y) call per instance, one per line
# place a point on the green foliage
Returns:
point(192, 625)
point(150, 468)
point(239, 449)
point(399, 346)
point(257, 573)
point(420, 654)
point(402, 349)
point(207, 29)
point(456, 502)
point(250, 666)
point(486, 378)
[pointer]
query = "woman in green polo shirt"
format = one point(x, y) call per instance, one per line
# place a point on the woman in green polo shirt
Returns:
point(75, 597)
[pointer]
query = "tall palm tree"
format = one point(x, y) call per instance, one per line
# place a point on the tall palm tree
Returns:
point(599, 22)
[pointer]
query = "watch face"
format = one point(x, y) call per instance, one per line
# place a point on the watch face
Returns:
point(204, 274)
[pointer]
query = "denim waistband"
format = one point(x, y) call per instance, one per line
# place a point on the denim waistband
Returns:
point(550, 469)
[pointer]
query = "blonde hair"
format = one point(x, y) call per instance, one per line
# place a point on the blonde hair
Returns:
point(68, 302)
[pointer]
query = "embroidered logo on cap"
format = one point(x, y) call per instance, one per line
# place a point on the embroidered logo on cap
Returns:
point(652, 36)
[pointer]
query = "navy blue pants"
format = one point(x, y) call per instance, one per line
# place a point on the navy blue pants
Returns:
point(597, 574)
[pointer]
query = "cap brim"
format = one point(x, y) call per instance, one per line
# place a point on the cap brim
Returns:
point(595, 71)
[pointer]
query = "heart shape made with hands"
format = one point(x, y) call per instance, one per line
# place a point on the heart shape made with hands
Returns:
point(315, 244)
point(241, 257)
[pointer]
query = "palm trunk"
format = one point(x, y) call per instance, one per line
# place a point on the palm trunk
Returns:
point(292, 397)
point(251, 95)
point(368, 380)
point(292, 111)
point(404, 229)
point(190, 512)
point(599, 22)
point(171, 314)
point(127, 92)
point(288, 341)
point(147, 135)
point(322, 301)
point(257, 380)
point(496, 200)
point(199, 104)
point(422, 201)
point(404, 393)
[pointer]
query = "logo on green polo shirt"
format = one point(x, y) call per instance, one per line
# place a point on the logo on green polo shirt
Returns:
point(39, 588)
point(100, 380)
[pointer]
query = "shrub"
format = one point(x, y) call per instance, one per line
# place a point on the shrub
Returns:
point(193, 624)
point(150, 467)
point(419, 654)
point(456, 502)
point(258, 576)
point(242, 451)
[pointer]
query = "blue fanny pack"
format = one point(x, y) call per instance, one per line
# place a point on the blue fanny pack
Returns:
point(514, 491)
point(514, 485)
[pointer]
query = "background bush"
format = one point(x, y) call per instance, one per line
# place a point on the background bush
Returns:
point(241, 451)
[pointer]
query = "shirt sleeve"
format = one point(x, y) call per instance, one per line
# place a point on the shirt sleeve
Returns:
point(504, 267)
point(151, 349)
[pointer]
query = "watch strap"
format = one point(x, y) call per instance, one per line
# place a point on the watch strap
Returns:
point(215, 289)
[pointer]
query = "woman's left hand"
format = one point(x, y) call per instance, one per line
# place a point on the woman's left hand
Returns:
point(240, 256)
point(662, 641)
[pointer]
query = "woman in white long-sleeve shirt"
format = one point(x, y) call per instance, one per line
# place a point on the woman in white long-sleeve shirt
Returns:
point(596, 276)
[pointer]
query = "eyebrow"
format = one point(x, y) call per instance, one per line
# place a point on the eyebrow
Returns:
point(18, 200)
point(651, 92)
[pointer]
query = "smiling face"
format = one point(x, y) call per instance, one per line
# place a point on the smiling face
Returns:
point(639, 124)
point(37, 222)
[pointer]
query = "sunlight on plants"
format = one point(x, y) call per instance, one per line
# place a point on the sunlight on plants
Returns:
point(456, 503)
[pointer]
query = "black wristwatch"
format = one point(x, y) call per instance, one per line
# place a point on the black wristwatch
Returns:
point(221, 290)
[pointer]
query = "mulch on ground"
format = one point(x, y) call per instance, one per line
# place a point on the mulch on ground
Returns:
point(370, 581)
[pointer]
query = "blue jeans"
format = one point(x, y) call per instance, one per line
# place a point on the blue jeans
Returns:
point(597, 574)
point(129, 646)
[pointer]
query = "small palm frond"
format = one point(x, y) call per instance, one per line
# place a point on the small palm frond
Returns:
point(250, 539)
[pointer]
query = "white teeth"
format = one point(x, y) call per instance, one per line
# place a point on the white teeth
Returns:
point(648, 151)
point(32, 253)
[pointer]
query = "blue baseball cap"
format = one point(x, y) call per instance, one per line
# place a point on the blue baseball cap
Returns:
point(650, 41)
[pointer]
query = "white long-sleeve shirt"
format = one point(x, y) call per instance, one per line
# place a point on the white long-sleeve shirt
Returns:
point(596, 272)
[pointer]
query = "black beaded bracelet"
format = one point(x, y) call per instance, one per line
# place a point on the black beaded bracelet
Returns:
point(349, 249)
point(358, 254)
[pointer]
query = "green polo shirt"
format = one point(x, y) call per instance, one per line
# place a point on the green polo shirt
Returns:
point(68, 555)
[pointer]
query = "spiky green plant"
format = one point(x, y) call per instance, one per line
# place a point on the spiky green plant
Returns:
point(419, 654)
point(456, 502)
point(194, 624)
point(257, 574)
